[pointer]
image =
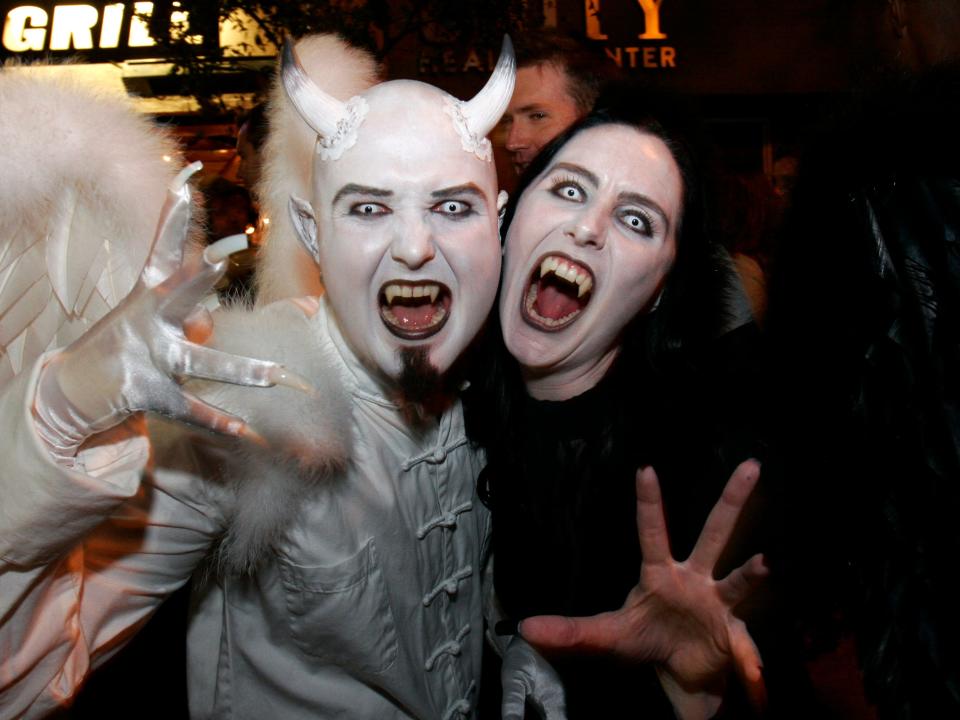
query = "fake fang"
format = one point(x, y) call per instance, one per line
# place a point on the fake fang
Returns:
point(414, 310)
point(559, 291)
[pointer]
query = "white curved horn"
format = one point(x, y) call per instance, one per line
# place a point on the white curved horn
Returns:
point(318, 109)
point(486, 107)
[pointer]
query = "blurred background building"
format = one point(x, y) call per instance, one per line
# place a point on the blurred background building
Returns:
point(760, 70)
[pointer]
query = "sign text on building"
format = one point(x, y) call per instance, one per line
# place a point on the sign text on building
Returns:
point(113, 30)
point(621, 23)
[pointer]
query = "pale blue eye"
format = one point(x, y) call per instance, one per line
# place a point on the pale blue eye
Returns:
point(570, 192)
point(368, 209)
point(637, 222)
point(453, 207)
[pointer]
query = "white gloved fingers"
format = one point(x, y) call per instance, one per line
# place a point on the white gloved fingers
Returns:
point(198, 325)
point(516, 680)
point(201, 413)
point(186, 288)
point(225, 247)
point(527, 675)
point(132, 359)
point(548, 697)
point(169, 240)
point(196, 277)
point(515, 691)
point(196, 361)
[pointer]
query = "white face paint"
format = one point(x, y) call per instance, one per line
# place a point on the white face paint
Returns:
point(589, 247)
point(407, 231)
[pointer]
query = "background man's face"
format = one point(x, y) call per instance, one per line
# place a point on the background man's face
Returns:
point(540, 109)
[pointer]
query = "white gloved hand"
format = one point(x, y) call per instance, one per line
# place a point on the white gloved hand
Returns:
point(526, 675)
point(134, 358)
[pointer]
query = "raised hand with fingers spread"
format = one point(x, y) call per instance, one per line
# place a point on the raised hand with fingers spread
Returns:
point(135, 357)
point(678, 616)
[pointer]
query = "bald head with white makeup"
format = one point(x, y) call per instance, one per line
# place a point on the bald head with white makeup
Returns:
point(403, 218)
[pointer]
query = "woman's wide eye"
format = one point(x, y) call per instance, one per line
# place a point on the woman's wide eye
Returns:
point(368, 209)
point(637, 222)
point(569, 191)
point(453, 207)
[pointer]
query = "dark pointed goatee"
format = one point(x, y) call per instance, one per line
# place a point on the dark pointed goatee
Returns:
point(423, 392)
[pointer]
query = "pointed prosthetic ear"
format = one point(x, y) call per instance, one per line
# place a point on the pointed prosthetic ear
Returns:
point(502, 198)
point(305, 223)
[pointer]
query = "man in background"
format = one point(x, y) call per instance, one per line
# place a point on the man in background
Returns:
point(558, 81)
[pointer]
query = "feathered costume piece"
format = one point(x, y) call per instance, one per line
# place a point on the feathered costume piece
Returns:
point(308, 436)
point(81, 189)
point(865, 315)
point(78, 213)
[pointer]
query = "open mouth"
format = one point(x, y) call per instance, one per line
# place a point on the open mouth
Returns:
point(414, 310)
point(559, 291)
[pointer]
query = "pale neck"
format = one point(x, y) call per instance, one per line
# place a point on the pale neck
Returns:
point(567, 383)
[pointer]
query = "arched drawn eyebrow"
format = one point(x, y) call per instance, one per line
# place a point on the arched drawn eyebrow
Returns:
point(578, 169)
point(354, 189)
point(625, 197)
point(465, 189)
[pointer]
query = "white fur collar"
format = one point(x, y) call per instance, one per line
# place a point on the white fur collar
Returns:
point(308, 436)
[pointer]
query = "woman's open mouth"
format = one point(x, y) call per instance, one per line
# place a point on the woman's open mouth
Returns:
point(559, 291)
point(414, 310)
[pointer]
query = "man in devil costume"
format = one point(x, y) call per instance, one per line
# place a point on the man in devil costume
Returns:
point(337, 500)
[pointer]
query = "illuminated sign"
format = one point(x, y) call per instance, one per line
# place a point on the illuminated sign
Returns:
point(621, 23)
point(101, 31)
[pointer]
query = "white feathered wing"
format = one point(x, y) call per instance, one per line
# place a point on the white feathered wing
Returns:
point(83, 178)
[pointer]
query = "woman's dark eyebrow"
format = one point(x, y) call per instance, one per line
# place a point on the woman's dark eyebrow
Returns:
point(646, 201)
point(354, 189)
point(579, 169)
point(465, 189)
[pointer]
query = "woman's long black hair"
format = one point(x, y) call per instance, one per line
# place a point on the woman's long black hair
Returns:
point(692, 310)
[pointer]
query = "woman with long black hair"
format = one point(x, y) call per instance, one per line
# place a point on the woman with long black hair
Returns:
point(617, 357)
